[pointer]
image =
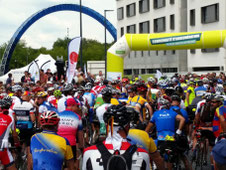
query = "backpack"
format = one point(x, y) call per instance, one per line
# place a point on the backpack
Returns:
point(207, 112)
point(116, 162)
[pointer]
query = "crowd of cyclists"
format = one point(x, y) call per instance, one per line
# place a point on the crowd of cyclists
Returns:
point(175, 122)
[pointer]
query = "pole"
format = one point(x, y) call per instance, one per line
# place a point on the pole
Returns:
point(105, 40)
point(105, 44)
point(81, 33)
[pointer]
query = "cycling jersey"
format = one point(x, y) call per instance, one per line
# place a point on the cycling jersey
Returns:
point(178, 110)
point(217, 129)
point(45, 106)
point(142, 140)
point(191, 92)
point(141, 103)
point(115, 101)
point(99, 101)
point(69, 124)
point(61, 103)
point(49, 151)
point(23, 110)
point(6, 123)
point(200, 90)
point(90, 97)
point(52, 99)
point(100, 114)
point(92, 157)
point(165, 123)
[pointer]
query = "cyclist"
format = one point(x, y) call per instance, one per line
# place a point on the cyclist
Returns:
point(190, 95)
point(68, 92)
point(106, 95)
point(6, 123)
point(48, 149)
point(165, 119)
point(70, 125)
point(219, 121)
point(115, 97)
point(140, 103)
point(119, 118)
point(25, 116)
point(200, 90)
point(18, 91)
point(203, 121)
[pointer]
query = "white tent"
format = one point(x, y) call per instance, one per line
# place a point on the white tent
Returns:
point(44, 62)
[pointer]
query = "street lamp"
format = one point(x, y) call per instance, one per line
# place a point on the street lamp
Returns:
point(105, 41)
point(81, 33)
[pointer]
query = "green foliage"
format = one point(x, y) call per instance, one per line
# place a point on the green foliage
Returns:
point(91, 50)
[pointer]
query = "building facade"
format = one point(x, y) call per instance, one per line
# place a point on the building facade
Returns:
point(171, 16)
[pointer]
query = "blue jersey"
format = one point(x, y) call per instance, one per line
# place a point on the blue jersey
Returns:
point(200, 90)
point(165, 123)
point(49, 151)
point(182, 111)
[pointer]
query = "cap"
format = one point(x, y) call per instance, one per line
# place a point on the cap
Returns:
point(219, 153)
point(71, 102)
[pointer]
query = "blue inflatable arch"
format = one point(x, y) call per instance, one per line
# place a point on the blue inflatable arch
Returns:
point(62, 7)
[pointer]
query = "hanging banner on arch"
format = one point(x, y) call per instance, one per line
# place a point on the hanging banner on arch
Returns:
point(73, 53)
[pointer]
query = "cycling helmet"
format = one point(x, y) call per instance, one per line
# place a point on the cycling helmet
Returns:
point(141, 87)
point(164, 102)
point(16, 88)
point(200, 82)
point(107, 91)
point(151, 79)
point(219, 89)
point(218, 98)
point(125, 80)
point(208, 96)
point(88, 86)
point(49, 118)
point(120, 115)
point(6, 102)
point(67, 87)
point(50, 89)
point(175, 98)
point(162, 84)
point(205, 80)
point(57, 93)
point(41, 94)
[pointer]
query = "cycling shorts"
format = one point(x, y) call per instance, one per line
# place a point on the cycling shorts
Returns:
point(209, 135)
point(6, 157)
point(74, 150)
point(25, 136)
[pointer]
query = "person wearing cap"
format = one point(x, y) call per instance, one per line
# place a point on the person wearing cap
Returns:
point(25, 116)
point(70, 125)
point(219, 155)
point(49, 150)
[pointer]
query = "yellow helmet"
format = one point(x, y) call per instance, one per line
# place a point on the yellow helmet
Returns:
point(41, 94)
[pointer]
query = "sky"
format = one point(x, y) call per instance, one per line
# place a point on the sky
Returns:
point(44, 32)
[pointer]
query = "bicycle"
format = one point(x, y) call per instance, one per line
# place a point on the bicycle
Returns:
point(200, 150)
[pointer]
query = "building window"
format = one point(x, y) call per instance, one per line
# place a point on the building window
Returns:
point(172, 22)
point(122, 31)
point(160, 24)
point(143, 6)
point(210, 50)
point(136, 71)
point(142, 53)
point(173, 51)
point(206, 68)
point(164, 52)
point(159, 3)
point(192, 51)
point(131, 10)
point(143, 71)
point(120, 13)
point(128, 71)
point(157, 53)
point(131, 29)
point(144, 27)
point(210, 13)
point(149, 53)
point(192, 17)
point(171, 2)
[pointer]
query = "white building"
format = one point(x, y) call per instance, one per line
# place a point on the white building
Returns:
point(204, 16)
point(168, 16)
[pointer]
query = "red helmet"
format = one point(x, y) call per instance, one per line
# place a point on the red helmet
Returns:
point(142, 88)
point(49, 118)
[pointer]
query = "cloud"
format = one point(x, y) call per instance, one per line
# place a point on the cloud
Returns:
point(46, 30)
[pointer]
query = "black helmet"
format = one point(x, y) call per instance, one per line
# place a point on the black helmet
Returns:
point(88, 86)
point(67, 87)
point(175, 98)
point(107, 91)
point(6, 102)
point(120, 115)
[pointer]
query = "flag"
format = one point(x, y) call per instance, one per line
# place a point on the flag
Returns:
point(85, 70)
point(73, 51)
point(158, 74)
point(34, 70)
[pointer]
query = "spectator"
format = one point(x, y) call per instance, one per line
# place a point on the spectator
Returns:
point(9, 80)
point(100, 77)
point(43, 77)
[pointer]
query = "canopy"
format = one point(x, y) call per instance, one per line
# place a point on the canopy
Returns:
point(44, 62)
